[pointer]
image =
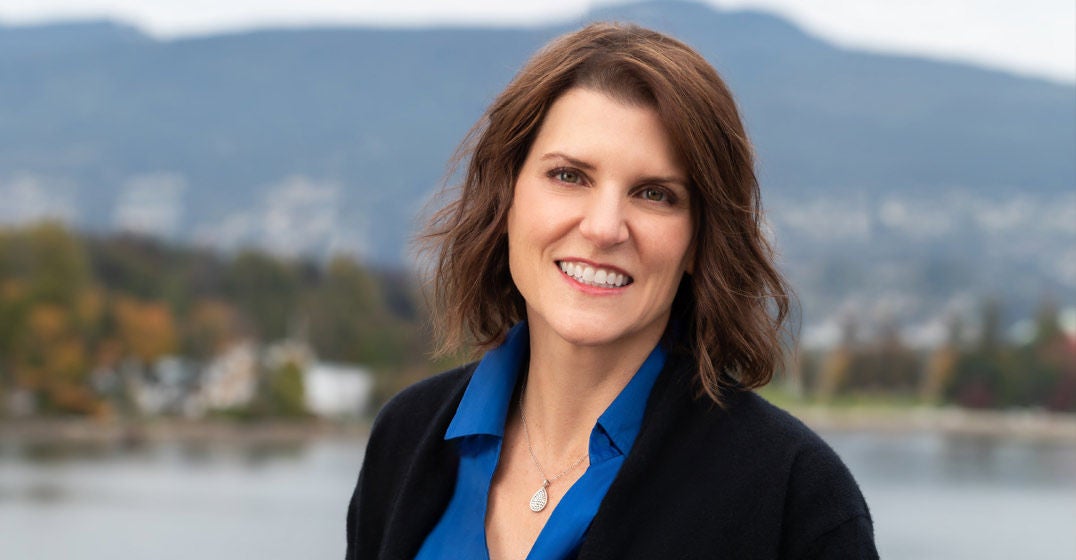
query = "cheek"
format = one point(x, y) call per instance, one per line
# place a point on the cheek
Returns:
point(524, 238)
point(534, 208)
point(671, 245)
point(536, 217)
point(670, 240)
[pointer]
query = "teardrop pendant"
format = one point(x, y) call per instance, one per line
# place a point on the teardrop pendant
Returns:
point(540, 498)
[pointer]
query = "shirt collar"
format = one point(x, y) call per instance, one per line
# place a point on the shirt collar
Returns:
point(485, 402)
point(484, 406)
point(624, 417)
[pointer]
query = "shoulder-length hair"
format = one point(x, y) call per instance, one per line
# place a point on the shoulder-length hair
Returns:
point(729, 312)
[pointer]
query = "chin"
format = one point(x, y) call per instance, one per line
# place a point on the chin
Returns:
point(589, 339)
point(591, 332)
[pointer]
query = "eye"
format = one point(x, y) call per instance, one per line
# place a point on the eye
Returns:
point(565, 175)
point(655, 195)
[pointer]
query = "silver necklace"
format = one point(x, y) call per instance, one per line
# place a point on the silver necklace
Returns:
point(541, 497)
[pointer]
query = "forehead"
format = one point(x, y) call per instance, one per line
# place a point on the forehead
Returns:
point(593, 126)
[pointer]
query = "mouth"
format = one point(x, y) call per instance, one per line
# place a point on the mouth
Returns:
point(593, 275)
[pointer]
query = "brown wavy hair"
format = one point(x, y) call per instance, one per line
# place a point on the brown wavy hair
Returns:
point(729, 313)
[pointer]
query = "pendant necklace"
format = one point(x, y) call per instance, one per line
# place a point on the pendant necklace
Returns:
point(541, 497)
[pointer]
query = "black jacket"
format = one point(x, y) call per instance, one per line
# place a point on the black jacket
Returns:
point(745, 482)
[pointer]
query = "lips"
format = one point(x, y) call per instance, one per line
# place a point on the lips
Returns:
point(593, 275)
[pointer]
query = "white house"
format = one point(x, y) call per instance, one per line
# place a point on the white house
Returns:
point(337, 389)
point(231, 379)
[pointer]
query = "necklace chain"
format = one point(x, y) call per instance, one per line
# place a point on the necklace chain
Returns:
point(540, 498)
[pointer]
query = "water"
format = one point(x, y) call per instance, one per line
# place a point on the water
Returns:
point(176, 501)
point(984, 498)
point(932, 496)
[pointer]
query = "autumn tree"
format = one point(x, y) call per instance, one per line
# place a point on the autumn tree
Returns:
point(146, 328)
point(49, 313)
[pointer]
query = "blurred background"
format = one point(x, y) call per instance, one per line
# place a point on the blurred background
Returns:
point(206, 290)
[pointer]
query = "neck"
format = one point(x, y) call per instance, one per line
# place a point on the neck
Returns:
point(569, 386)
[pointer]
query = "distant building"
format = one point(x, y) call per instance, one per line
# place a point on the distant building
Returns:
point(231, 379)
point(337, 389)
point(162, 388)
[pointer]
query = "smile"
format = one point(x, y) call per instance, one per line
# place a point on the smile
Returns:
point(594, 276)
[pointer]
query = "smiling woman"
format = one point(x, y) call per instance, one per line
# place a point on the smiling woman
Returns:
point(601, 194)
point(606, 250)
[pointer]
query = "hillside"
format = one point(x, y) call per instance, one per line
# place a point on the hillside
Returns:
point(911, 174)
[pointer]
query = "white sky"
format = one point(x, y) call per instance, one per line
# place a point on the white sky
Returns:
point(1035, 37)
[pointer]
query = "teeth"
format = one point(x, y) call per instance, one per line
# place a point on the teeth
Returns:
point(594, 276)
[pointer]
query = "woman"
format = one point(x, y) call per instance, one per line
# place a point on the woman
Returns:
point(606, 249)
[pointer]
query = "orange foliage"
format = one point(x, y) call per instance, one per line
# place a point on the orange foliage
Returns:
point(47, 323)
point(108, 353)
point(73, 399)
point(89, 306)
point(11, 290)
point(215, 324)
point(56, 351)
point(29, 377)
point(67, 359)
point(147, 329)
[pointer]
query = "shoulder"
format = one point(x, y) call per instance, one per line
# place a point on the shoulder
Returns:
point(429, 390)
point(760, 457)
point(824, 512)
point(809, 455)
point(744, 421)
point(406, 443)
point(756, 418)
point(791, 449)
point(745, 437)
point(768, 444)
point(746, 478)
point(421, 405)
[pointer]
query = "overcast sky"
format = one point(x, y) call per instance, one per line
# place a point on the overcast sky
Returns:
point(1036, 37)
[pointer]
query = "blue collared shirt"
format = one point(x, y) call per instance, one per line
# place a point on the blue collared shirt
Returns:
point(478, 431)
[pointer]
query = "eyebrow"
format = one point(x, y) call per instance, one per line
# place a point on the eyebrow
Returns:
point(574, 162)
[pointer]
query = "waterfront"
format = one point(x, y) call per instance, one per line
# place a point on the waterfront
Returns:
point(932, 496)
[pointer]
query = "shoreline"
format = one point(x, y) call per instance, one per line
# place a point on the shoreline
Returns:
point(1019, 425)
point(126, 432)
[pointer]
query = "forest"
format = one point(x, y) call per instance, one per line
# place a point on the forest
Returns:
point(75, 309)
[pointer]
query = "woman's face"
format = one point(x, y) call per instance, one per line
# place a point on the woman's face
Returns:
point(600, 229)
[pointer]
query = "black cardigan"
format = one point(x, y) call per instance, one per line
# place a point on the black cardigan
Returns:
point(745, 482)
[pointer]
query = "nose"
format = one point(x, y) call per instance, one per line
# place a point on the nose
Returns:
point(604, 222)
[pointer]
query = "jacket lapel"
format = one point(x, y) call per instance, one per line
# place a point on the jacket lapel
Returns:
point(669, 401)
point(427, 486)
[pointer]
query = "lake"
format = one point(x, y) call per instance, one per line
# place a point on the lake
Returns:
point(931, 495)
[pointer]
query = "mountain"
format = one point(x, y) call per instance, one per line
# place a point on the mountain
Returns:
point(66, 37)
point(332, 139)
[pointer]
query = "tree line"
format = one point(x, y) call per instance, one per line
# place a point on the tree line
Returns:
point(973, 368)
point(72, 305)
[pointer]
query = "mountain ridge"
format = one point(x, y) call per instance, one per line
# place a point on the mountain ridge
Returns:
point(937, 176)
